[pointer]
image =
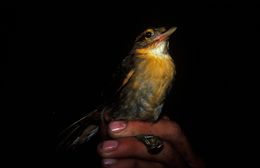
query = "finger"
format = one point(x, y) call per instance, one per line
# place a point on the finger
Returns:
point(130, 147)
point(166, 129)
point(130, 163)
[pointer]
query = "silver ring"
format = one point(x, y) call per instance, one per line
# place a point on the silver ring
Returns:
point(154, 144)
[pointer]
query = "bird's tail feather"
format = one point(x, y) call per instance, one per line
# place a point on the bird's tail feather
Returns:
point(79, 132)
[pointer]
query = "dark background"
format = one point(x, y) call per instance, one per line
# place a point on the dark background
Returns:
point(72, 54)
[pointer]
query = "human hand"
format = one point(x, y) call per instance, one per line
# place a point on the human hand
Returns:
point(125, 151)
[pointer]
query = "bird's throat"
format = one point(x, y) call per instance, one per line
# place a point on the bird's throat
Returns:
point(157, 49)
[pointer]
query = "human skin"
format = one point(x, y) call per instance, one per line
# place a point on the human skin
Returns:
point(125, 151)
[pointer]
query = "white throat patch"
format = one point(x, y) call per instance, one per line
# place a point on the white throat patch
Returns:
point(160, 50)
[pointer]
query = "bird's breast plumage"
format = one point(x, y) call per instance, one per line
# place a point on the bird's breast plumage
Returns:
point(145, 88)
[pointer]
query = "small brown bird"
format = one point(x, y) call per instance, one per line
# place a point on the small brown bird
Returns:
point(144, 79)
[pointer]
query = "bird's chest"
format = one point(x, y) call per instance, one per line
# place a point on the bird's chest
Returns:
point(153, 76)
point(143, 95)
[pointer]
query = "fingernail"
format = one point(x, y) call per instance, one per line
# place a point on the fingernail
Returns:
point(108, 162)
point(117, 126)
point(109, 146)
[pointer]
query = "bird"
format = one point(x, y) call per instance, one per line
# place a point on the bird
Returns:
point(142, 81)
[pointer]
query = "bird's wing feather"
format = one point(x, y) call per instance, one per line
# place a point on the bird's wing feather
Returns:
point(79, 132)
point(120, 78)
point(82, 130)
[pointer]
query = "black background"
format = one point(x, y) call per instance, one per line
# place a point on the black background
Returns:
point(70, 55)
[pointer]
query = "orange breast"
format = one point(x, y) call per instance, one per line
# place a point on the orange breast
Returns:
point(145, 89)
point(157, 74)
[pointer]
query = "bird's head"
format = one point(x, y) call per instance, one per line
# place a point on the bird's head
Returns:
point(153, 41)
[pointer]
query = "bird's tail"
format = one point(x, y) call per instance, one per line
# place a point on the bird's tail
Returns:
point(79, 132)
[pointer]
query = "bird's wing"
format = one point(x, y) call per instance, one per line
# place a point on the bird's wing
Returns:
point(120, 78)
point(82, 130)
point(79, 132)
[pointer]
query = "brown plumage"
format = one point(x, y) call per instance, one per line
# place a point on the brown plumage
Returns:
point(144, 79)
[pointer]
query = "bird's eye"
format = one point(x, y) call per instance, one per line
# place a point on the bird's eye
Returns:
point(148, 34)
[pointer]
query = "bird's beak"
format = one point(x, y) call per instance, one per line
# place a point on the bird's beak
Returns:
point(166, 34)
